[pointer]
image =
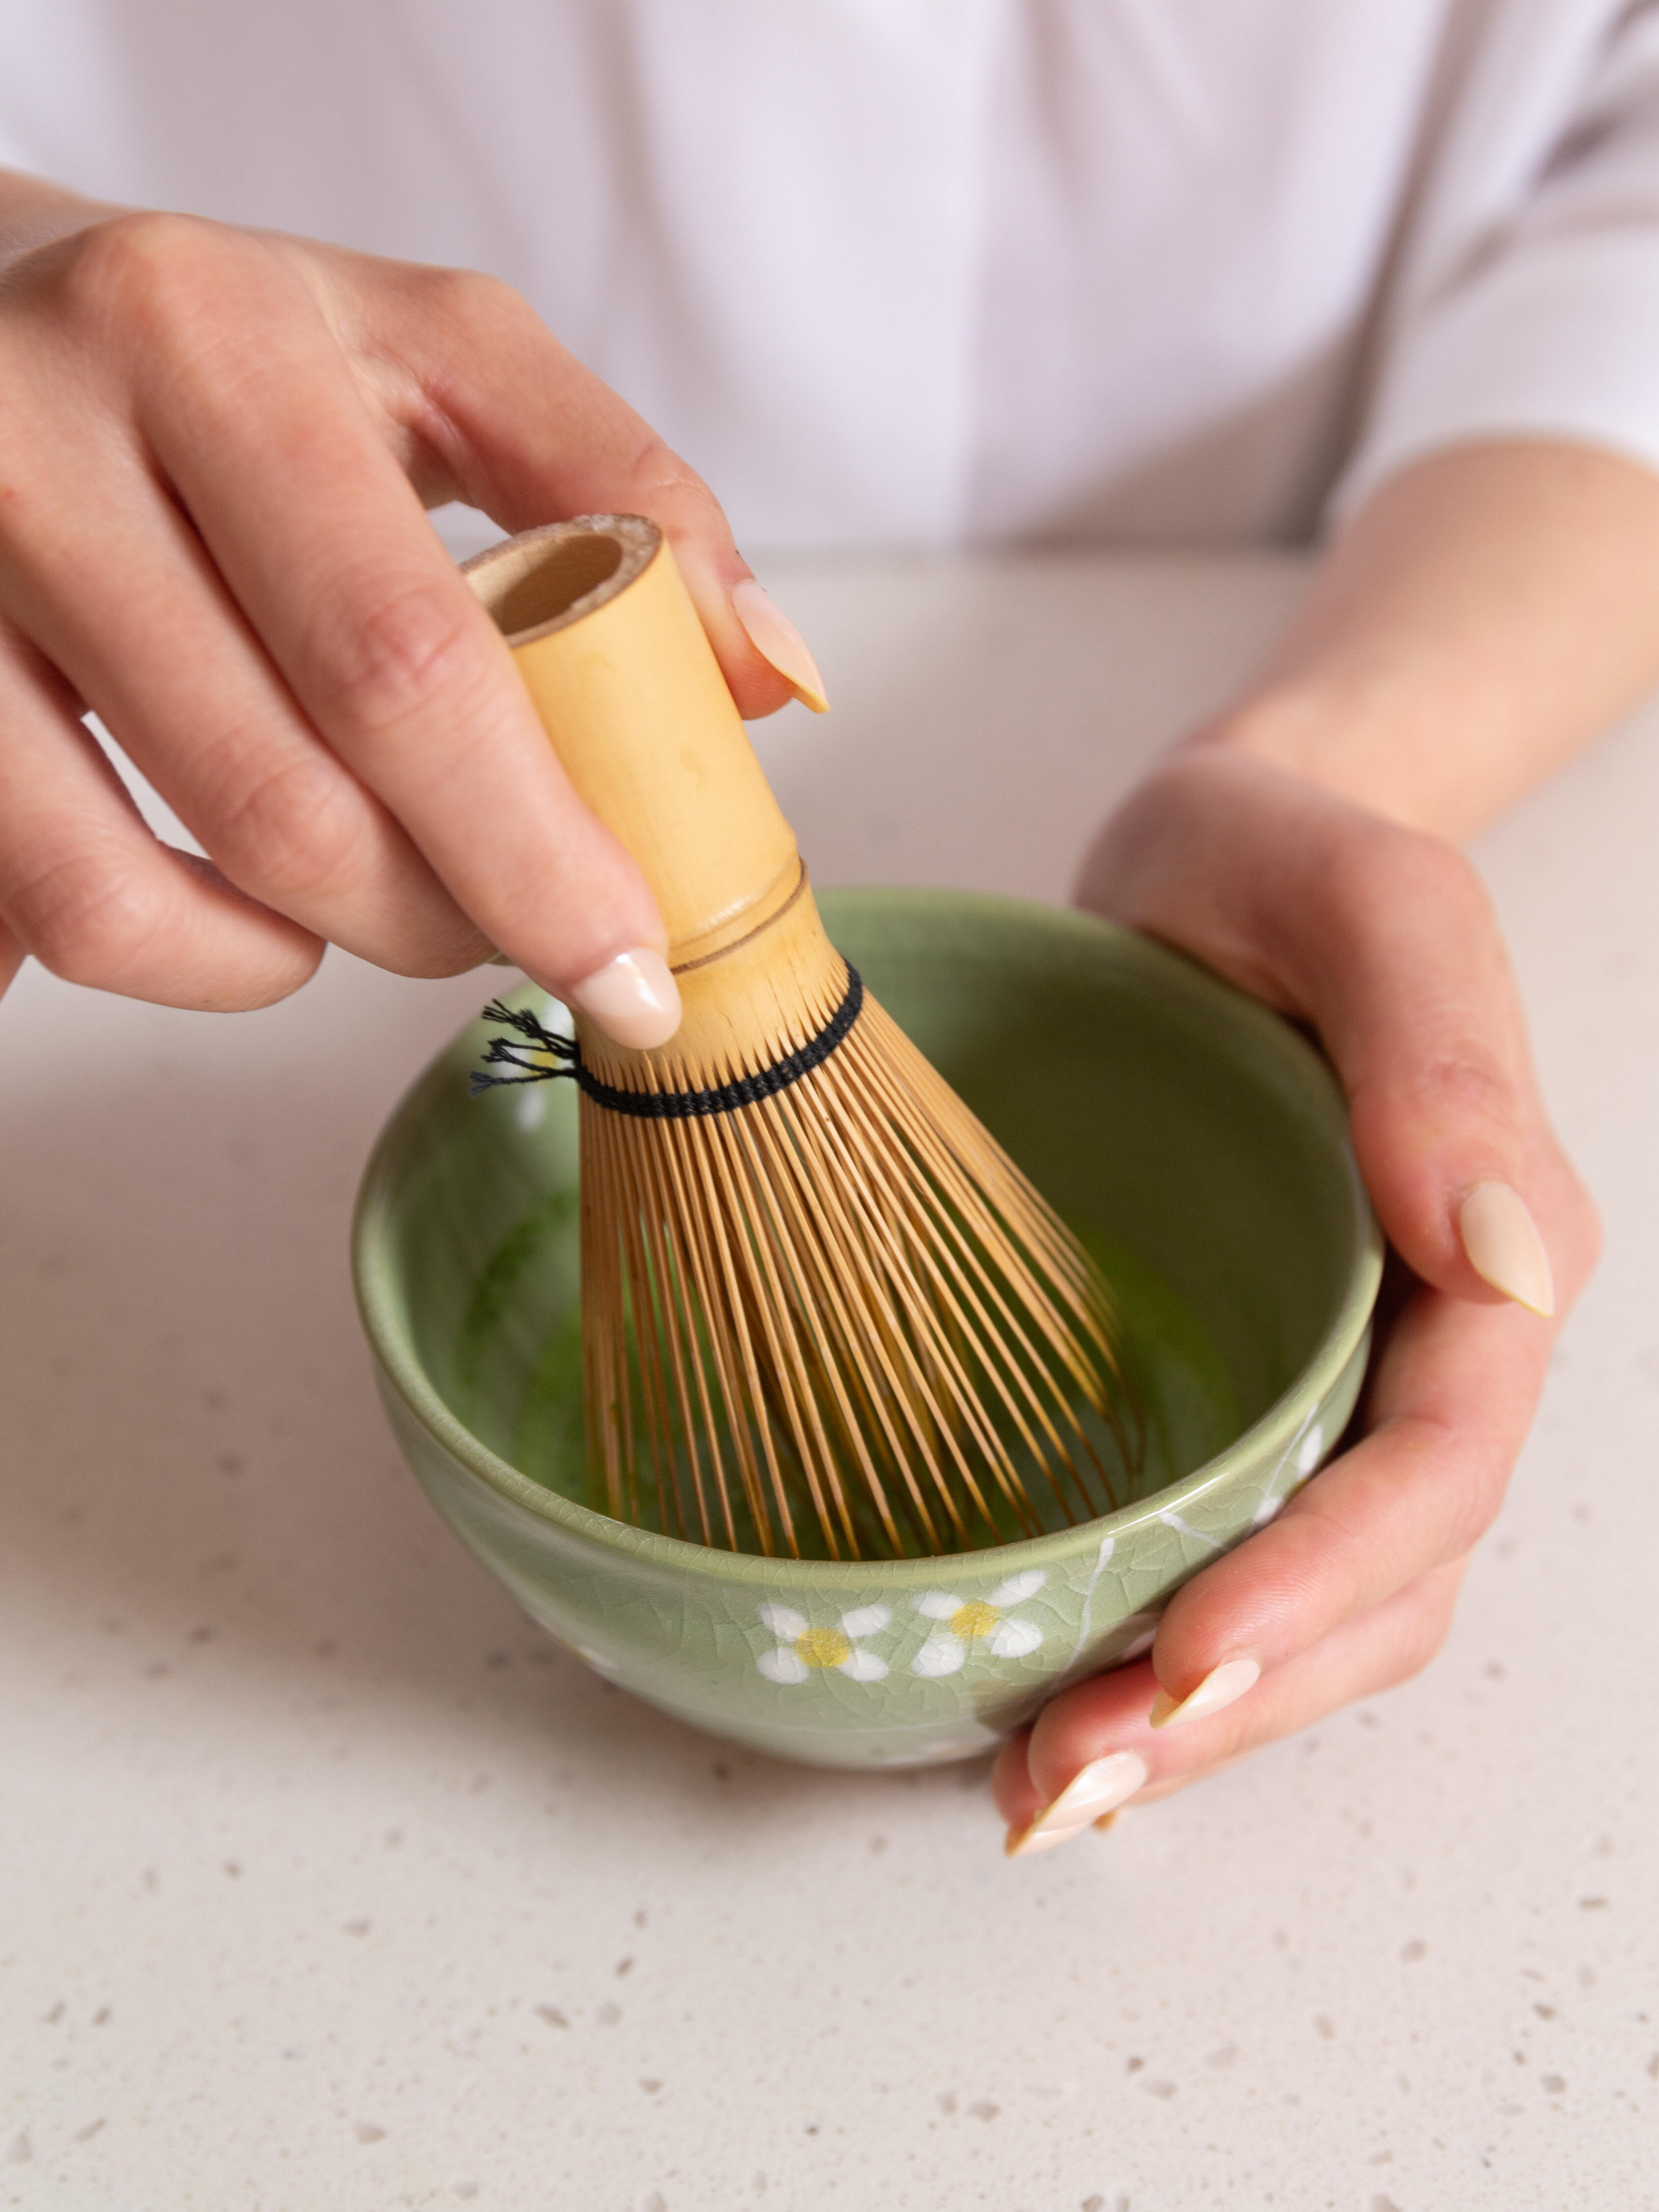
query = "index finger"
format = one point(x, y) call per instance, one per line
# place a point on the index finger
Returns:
point(310, 520)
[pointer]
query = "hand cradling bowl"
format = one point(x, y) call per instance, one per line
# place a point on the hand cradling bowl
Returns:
point(1192, 1141)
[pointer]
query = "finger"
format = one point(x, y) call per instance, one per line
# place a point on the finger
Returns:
point(510, 420)
point(1076, 1764)
point(323, 543)
point(1452, 1399)
point(97, 899)
point(99, 567)
point(244, 400)
point(155, 645)
point(1385, 940)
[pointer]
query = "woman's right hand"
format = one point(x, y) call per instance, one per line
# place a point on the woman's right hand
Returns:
point(214, 453)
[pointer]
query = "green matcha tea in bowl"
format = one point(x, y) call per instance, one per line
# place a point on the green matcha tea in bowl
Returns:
point(1195, 1147)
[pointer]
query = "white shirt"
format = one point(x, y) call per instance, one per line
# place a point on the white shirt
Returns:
point(931, 271)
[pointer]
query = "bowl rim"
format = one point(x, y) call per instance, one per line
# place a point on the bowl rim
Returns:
point(1275, 1433)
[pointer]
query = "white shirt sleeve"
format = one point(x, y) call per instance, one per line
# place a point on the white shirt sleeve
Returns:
point(1545, 322)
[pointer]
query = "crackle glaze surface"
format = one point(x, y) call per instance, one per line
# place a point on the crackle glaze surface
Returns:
point(1150, 1102)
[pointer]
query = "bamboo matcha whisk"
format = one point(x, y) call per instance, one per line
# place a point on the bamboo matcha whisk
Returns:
point(823, 1311)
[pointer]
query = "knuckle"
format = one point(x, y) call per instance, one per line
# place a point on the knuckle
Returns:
point(1456, 1083)
point(1466, 1080)
point(471, 299)
point(291, 830)
point(465, 311)
point(150, 268)
point(251, 995)
point(1472, 1508)
point(390, 657)
point(1375, 881)
point(88, 918)
point(1425, 1624)
point(657, 471)
point(1391, 860)
point(452, 949)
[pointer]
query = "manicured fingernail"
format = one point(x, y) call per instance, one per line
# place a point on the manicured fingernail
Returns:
point(1223, 1685)
point(1102, 1787)
point(775, 638)
point(1505, 1248)
point(633, 998)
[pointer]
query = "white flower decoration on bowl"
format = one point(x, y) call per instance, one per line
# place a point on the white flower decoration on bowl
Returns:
point(965, 1622)
point(803, 1650)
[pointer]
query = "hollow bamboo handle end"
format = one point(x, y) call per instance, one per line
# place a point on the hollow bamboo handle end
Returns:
point(627, 688)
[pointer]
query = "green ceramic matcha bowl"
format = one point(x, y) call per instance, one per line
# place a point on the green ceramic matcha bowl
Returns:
point(1192, 1139)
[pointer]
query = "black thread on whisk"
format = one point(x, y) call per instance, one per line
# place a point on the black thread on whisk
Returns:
point(654, 1105)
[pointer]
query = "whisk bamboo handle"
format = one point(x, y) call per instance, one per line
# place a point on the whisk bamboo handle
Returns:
point(626, 684)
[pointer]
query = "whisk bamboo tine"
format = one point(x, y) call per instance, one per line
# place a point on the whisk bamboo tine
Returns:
point(735, 1240)
point(944, 1167)
point(863, 1356)
point(698, 1431)
point(887, 1321)
point(649, 1318)
point(798, 1301)
point(856, 1167)
point(734, 1354)
point(943, 1250)
point(943, 1164)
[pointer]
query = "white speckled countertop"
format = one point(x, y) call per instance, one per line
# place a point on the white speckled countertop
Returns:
point(327, 1886)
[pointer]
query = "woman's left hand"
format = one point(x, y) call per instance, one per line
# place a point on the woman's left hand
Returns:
point(1383, 940)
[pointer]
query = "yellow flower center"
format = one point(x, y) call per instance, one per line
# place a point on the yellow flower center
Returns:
point(974, 1619)
point(823, 1647)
